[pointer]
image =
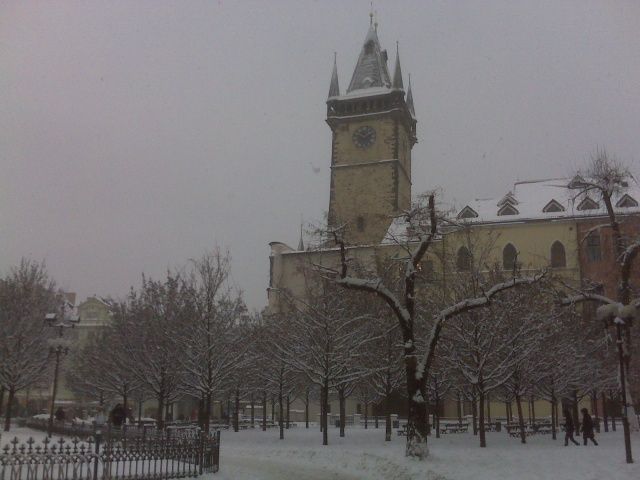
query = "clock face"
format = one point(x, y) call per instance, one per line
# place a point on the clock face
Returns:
point(364, 137)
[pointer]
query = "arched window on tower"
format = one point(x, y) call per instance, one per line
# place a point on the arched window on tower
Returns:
point(463, 260)
point(509, 256)
point(558, 255)
point(360, 224)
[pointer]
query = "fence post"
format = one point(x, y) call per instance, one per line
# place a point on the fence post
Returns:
point(201, 452)
point(97, 459)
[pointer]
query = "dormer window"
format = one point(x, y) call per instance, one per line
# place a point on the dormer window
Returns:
point(508, 209)
point(467, 212)
point(508, 198)
point(553, 207)
point(587, 204)
point(627, 202)
point(576, 182)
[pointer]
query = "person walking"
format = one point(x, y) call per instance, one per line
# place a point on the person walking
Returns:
point(587, 427)
point(568, 428)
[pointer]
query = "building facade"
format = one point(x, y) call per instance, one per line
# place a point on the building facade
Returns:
point(538, 224)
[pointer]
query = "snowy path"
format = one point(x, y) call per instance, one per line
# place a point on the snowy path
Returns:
point(243, 468)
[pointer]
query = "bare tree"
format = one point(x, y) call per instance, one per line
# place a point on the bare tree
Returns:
point(210, 339)
point(607, 178)
point(403, 305)
point(26, 295)
point(155, 318)
point(327, 336)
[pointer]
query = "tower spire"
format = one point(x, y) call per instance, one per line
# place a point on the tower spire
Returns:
point(334, 88)
point(397, 74)
point(410, 100)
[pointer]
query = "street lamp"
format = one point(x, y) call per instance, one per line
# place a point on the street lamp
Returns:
point(619, 316)
point(58, 348)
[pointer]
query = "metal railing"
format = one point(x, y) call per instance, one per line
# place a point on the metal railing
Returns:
point(112, 455)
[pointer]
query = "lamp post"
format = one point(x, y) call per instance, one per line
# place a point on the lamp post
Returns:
point(58, 349)
point(619, 316)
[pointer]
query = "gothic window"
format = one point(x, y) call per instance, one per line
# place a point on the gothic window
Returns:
point(626, 202)
point(558, 255)
point(587, 204)
point(360, 224)
point(553, 207)
point(509, 256)
point(463, 260)
point(593, 250)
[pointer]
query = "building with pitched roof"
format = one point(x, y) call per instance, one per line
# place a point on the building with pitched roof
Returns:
point(538, 224)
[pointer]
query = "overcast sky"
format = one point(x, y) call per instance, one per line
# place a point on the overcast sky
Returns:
point(137, 135)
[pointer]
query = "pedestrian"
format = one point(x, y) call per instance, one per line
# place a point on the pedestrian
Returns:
point(60, 415)
point(568, 429)
point(118, 415)
point(587, 427)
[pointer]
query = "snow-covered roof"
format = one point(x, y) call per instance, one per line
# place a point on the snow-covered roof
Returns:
point(550, 199)
point(543, 200)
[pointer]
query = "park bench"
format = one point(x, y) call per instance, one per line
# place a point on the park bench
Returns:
point(454, 428)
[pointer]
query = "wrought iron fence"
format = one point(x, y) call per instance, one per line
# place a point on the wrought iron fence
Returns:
point(111, 456)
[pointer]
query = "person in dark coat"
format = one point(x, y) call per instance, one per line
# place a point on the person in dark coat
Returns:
point(568, 429)
point(118, 415)
point(587, 427)
point(60, 415)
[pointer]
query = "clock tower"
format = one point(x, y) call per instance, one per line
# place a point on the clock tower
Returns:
point(373, 130)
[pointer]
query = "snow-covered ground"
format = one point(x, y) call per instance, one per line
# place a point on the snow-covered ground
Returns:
point(363, 454)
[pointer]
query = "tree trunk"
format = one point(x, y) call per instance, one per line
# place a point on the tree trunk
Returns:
point(483, 439)
point(288, 409)
point(523, 435)
point(322, 412)
point(1, 398)
point(306, 409)
point(417, 430)
point(253, 411)
point(553, 417)
point(366, 413)
point(160, 412)
point(533, 411)
point(459, 408)
point(613, 417)
point(605, 419)
point(236, 412)
point(7, 417)
point(273, 408)
point(387, 417)
point(594, 402)
point(207, 412)
point(229, 411)
point(474, 408)
point(488, 408)
point(280, 413)
point(436, 417)
point(576, 415)
point(343, 416)
point(264, 410)
point(325, 408)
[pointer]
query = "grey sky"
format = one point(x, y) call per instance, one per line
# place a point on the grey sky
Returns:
point(135, 135)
